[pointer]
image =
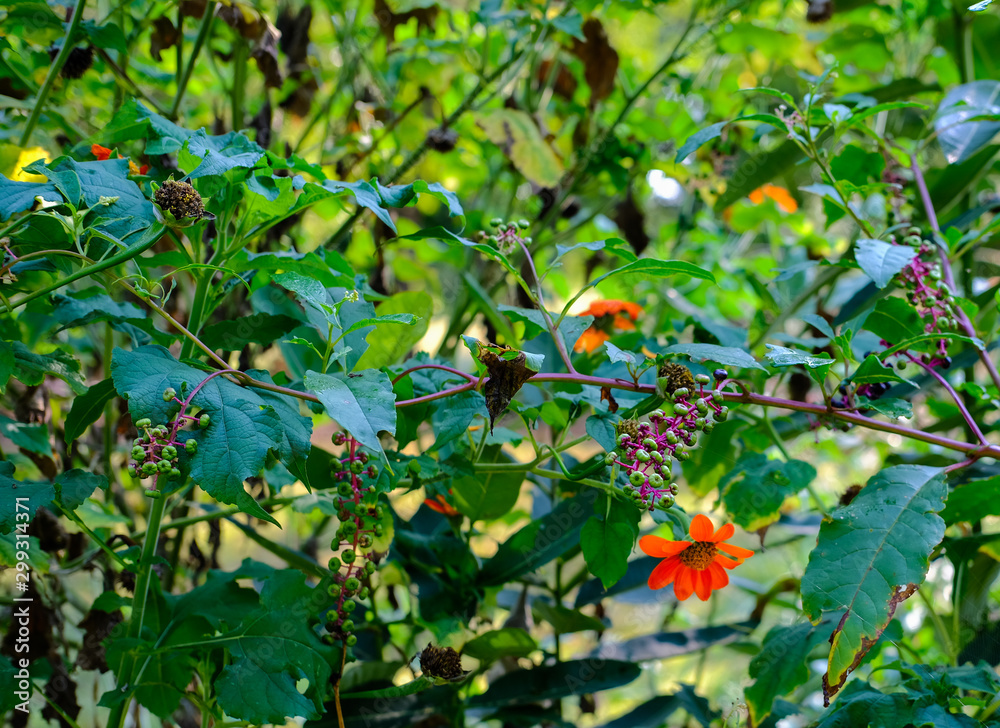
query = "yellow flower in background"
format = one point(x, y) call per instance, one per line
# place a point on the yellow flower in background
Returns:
point(24, 158)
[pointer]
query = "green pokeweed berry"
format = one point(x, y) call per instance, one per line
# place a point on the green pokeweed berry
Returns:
point(191, 446)
point(681, 409)
point(657, 456)
point(665, 502)
point(348, 556)
point(363, 594)
point(352, 584)
point(154, 494)
point(656, 480)
point(328, 639)
point(637, 478)
point(357, 467)
point(344, 490)
point(334, 564)
point(672, 438)
point(378, 529)
point(204, 421)
point(365, 540)
point(344, 515)
point(649, 443)
point(174, 473)
point(496, 222)
point(148, 468)
point(372, 471)
point(168, 394)
point(349, 606)
point(169, 452)
point(369, 568)
point(336, 466)
point(351, 640)
point(348, 625)
point(681, 392)
point(702, 378)
point(349, 528)
point(144, 422)
point(164, 466)
point(334, 590)
point(642, 456)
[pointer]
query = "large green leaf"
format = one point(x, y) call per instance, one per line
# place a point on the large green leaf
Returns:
point(516, 133)
point(607, 540)
point(76, 310)
point(33, 438)
point(486, 495)
point(362, 403)
point(389, 344)
point(881, 261)
point(245, 423)
point(973, 501)
point(755, 489)
point(506, 642)
point(870, 556)
point(30, 368)
point(894, 320)
point(540, 541)
point(782, 664)
point(271, 650)
point(960, 128)
point(726, 355)
point(556, 681)
point(20, 499)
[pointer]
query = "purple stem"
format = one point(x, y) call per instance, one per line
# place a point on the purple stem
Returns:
point(560, 345)
point(460, 373)
point(966, 415)
point(949, 276)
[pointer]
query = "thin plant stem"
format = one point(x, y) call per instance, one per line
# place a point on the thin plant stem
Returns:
point(966, 415)
point(540, 300)
point(199, 41)
point(54, 69)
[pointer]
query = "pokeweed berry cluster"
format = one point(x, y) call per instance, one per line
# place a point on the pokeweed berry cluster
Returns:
point(508, 236)
point(156, 451)
point(360, 517)
point(646, 450)
point(934, 300)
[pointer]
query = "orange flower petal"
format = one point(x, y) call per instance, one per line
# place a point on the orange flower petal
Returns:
point(439, 504)
point(724, 532)
point(757, 196)
point(661, 547)
point(665, 573)
point(684, 583)
point(701, 528)
point(719, 576)
point(703, 584)
point(736, 551)
point(726, 561)
point(590, 340)
point(100, 152)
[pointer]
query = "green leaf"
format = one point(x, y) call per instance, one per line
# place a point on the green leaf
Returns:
point(33, 438)
point(615, 246)
point(616, 355)
point(218, 154)
point(973, 501)
point(258, 328)
point(505, 642)
point(7, 363)
point(607, 542)
point(486, 495)
point(244, 427)
point(396, 691)
point(516, 133)
point(870, 556)
point(30, 368)
point(18, 197)
point(781, 356)
point(271, 650)
point(392, 318)
point(574, 677)
point(872, 371)
point(782, 664)
point(891, 407)
point(540, 541)
point(648, 268)
point(108, 36)
point(563, 619)
point(388, 345)
point(20, 499)
point(894, 320)
point(694, 141)
point(362, 403)
point(75, 486)
point(881, 261)
point(755, 489)
point(77, 311)
point(452, 417)
point(959, 135)
point(726, 355)
point(571, 328)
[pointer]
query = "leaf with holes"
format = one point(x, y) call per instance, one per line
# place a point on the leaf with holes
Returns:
point(870, 556)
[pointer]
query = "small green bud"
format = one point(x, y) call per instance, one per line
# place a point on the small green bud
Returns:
point(702, 378)
point(144, 422)
point(351, 640)
point(700, 423)
point(378, 530)
point(174, 473)
point(154, 494)
point(637, 478)
point(496, 222)
point(610, 458)
point(369, 568)
point(681, 392)
point(628, 489)
point(348, 625)
point(681, 409)
point(334, 564)
point(649, 443)
point(523, 224)
point(657, 456)
point(191, 446)
point(624, 438)
point(352, 584)
point(349, 606)
point(348, 556)
point(642, 456)
point(656, 480)
point(722, 415)
point(204, 421)
point(357, 467)
point(363, 594)
point(672, 437)
point(334, 590)
point(657, 414)
point(168, 394)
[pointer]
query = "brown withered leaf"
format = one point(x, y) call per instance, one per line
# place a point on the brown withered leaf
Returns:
point(60, 691)
point(265, 52)
point(606, 395)
point(164, 36)
point(97, 626)
point(389, 20)
point(508, 373)
point(243, 19)
point(600, 60)
point(294, 31)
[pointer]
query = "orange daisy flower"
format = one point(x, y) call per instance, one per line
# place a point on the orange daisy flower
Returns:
point(782, 197)
point(100, 152)
point(695, 567)
point(439, 504)
point(609, 315)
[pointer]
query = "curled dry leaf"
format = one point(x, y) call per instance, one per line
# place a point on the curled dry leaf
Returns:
point(508, 373)
point(600, 60)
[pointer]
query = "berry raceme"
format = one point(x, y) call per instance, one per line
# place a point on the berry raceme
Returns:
point(646, 450)
point(156, 451)
point(359, 514)
point(507, 236)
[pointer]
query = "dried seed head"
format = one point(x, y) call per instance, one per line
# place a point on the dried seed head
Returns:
point(442, 662)
point(180, 199)
point(77, 63)
point(678, 376)
point(442, 139)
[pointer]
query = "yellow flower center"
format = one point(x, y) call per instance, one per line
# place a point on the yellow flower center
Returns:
point(699, 555)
